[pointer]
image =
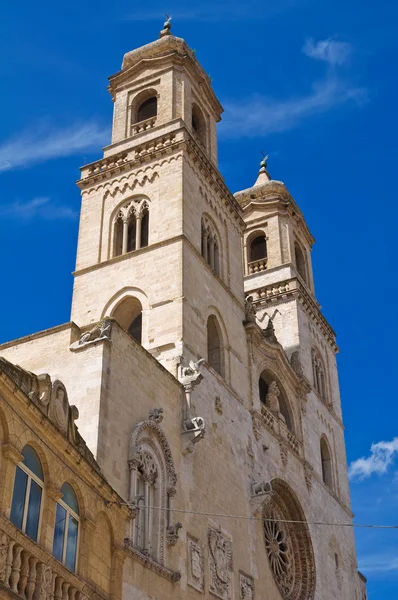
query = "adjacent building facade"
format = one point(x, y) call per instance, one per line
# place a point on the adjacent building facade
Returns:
point(202, 369)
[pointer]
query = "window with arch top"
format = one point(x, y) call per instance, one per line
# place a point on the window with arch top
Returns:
point(326, 463)
point(128, 313)
point(198, 124)
point(210, 245)
point(301, 263)
point(257, 254)
point(215, 350)
point(147, 109)
point(27, 494)
point(319, 374)
point(131, 227)
point(66, 531)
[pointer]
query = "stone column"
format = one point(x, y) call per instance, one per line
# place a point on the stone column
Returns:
point(205, 236)
point(211, 256)
point(138, 232)
point(125, 235)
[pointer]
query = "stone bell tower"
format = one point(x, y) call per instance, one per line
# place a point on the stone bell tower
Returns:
point(157, 221)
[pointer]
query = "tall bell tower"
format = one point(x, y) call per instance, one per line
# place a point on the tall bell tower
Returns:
point(160, 233)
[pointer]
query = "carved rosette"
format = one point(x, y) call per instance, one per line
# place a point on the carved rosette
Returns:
point(220, 564)
point(195, 565)
point(288, 545)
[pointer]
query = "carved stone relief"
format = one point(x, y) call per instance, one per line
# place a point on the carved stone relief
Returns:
point(246, 587)
point(220, 564)
point(195, 565)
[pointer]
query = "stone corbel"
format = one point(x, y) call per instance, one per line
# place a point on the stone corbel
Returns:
point(172, 533)
point(193, 430)
point(261, 494)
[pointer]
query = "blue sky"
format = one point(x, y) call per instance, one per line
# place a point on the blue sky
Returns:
point(310, 82)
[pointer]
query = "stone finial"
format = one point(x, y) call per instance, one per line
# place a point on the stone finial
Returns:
point(269, 332)
point(166, 27)
point(263, 175)
point(250, 310)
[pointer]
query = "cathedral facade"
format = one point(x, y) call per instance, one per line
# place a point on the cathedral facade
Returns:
point(210, 442)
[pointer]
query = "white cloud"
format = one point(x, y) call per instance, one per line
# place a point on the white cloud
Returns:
point(382, 455)
point(44, 144)
point(40, 207)
point(262, 115)
point(330, 51)
point(378, 563)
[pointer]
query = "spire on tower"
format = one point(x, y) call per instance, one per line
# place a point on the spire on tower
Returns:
point(263, 175)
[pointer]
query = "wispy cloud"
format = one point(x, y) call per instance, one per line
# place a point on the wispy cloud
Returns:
point(42, 144)
point(379, 563)
point(331, 51)
point(262, 115)
point(382, 455)
point(40, 207)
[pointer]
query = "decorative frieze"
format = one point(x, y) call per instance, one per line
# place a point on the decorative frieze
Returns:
point(246, 587)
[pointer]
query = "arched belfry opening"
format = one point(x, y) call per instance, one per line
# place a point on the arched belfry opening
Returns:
point(258, 248)
point(128, 313)
point(147, 109)
point(326, 462)
point(198, 124)
point(300, 261)
point(273, 398)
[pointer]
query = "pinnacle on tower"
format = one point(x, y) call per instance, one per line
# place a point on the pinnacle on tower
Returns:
point(166, 27)
point(263, 175)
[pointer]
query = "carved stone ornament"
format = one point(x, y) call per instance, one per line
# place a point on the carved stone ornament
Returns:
point(193, 430)
point(156, 414)
point(272, 398)
point(172, 534)
point(101, 331)
point(308, 471)
point(151, 426)
point(256, 423)
point(288, 545)
point(269, 332)
point(261, 494)
point(296, 363)
point(220, 564)
point(150, 563)
point(250, 310)
point(52, 400)
point(284, 452)
point(218, 405)
point(195, 565)
point(246, 587)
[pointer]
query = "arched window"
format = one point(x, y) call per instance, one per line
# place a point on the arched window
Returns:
point(66, 531)
point(131, 227)
point(326, 462)
point(319, 374)
point(147, 109)
point(273, 398)
point(210, 245)
point(215, 350)
point(258, 248)
point(28, 492)
point(299, 258)
point(198, 124)
point(152, 484)
point(128, 313)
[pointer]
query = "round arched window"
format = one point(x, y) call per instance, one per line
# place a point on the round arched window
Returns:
point(27, 494)
point(66, 531)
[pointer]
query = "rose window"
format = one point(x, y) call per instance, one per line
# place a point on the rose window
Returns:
point(288, 545)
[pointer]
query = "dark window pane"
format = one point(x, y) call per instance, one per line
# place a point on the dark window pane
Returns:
point(131, 236)
point(258, 248)
point(147, 109)
point(71, 544)
point(263, 389)
point(69, 497)
point(59, 532)
point(32, 521)
point(18, 498)
point(32, 461)
point(145, 230)
point(135, 329)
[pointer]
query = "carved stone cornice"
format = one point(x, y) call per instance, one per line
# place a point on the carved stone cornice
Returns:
point(150, 563)
point(12, 454)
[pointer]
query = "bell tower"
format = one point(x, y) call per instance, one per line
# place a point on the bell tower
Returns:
point(160, 234)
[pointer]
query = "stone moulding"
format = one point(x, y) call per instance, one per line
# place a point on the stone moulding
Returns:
point(148, 562)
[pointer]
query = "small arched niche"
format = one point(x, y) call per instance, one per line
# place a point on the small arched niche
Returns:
point(198, 124)
point(128, 313)
point(326, 462)
point(215, 347)
point(144, 106)
point(273, 397)
point(258, 248)
point(300, 261)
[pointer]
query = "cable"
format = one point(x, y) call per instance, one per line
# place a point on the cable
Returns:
point(251, 518)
